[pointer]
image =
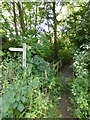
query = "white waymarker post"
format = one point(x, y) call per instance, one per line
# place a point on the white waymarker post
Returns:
point(21, 50)
point(24, 54)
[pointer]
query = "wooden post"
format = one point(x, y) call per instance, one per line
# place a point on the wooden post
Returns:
point(45, 72)
point(24, 54)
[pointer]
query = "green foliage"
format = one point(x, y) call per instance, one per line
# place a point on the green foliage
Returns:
point(6, 44)
point(34, 92)
point(27, 92)
point(65, 50)
point(1, 53)
point(77, 28)
point(40, 46)
point(79, 86)
point(66, 55)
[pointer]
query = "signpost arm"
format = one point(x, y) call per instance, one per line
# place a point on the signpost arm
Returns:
point(21, 50)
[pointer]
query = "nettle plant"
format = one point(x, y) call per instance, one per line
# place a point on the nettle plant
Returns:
point(79, 86)
point(26, 92)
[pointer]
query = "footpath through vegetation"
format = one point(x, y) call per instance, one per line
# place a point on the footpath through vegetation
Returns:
point(67, 75)
point(53, 31)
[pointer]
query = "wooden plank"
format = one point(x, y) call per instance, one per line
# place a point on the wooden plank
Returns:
point(45, 72)
point(21, 50)
point(24, 54)
point(16, 49)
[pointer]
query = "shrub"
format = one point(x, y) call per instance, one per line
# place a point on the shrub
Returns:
point(27, 92)
point(79, 88)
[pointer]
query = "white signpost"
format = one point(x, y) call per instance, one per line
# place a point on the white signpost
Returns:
point(21, 50)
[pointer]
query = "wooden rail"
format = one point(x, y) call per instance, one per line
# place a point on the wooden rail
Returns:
point(57, 66)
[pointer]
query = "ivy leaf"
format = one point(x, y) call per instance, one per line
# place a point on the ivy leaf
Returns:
point(20, 107)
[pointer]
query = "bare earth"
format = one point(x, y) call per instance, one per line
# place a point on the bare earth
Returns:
point(65, 102)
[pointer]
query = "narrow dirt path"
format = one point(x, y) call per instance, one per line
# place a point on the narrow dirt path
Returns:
point(65, 102)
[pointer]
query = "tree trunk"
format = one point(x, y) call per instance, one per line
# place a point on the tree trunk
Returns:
point(36, 21)
point(30, 20)
point(21, 17)
point(55, 32)
point(49, 36)
point(15, 22)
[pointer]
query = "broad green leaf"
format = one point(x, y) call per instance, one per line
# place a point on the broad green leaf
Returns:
point(34, 84)
point(20, 107)
point(28, 115)
point(11, 99)
point(14, 105)
point(10, 114)
point(3, 114)
point(1, 53)
point(23, 99)
point(18, 99)
point(5, 107)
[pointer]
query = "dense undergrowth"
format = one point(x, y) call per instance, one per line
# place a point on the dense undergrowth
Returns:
point(35, 91)
point(80, 84)
point(29, 92)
